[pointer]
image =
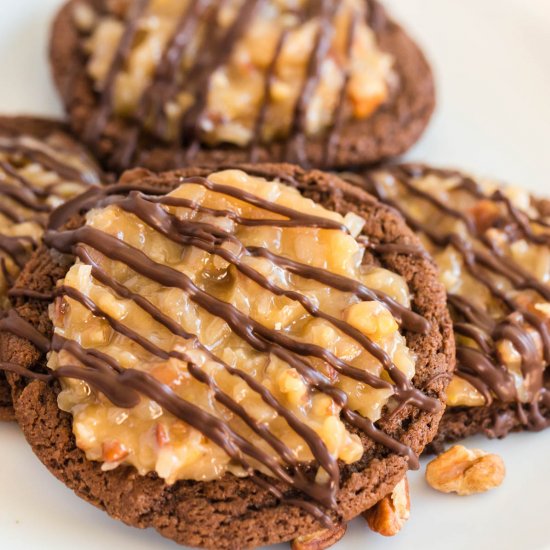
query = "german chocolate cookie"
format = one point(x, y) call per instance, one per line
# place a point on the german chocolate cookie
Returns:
point(238, 358)
point(171, 83)
point(41, 166)
point(492, 245)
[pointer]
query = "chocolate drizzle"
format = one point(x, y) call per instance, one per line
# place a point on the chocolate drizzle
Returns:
point(484, 260)
point(220, 51)
point(216, 48)
point(296, 142)
point(47, 157)
point(124, 386)
point(21, 191)
point(100, 120)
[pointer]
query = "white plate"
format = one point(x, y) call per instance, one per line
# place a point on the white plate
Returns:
point(493, 69)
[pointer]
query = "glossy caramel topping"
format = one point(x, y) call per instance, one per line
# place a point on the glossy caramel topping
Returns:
point(243, 72)
point(229, 326)
point(36, 176)
point(492, 244)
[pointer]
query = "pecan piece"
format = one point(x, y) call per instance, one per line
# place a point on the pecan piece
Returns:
point(390, 515)
point(319, 540)
point(465, 472)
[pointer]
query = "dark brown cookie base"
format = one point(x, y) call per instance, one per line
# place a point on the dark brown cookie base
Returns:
point(392, 130)
point(235, 513)
point(39, 128)
point(33, 126)
point(495, 421)
point(6, 405)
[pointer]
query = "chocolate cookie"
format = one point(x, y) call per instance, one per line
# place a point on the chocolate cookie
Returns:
point(241, 365)
point(6, 405)
point(165, 85)
point(40, 167)
point(492, 245)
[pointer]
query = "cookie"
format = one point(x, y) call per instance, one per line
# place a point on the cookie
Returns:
point(6, 405)
point(40, 167)
point(492, 245)
point(238, 405)
point(170, 84)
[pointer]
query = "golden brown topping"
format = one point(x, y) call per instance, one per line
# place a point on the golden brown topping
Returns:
point(263, 78)
point(465, 471)
point(462, 393)
point(36, 176)
point(119, 7)
point(320, 540)
point(84, 17)
point(390, 515)
point(204, 343)
point(492, 245)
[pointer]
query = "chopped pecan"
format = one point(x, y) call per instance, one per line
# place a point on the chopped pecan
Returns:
point(465, 472)
point(319, 540)
point(390, 515)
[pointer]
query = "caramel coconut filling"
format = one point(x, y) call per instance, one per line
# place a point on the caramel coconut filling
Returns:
point(240, 71)
point(210, 340)
point(35, 177)
point(226, 324)
point(492, 245)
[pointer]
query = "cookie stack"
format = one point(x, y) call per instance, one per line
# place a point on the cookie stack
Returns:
point(249, 338)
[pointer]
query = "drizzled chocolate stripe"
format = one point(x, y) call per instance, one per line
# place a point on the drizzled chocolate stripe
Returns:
point(318, 448)
point(410, 320)
point(216, 50)
point(296, 141)
point(28, 293)
point(11, 172)
point(221, 50)
point(11, 322)
point(98, 197)
point(22, 192)
point(245, 196)
point(24, 197)
point(254, 333)
point(21, 146)
point(396, 248)
point(14, 247)
point(104, 373)
point(496, 261)
point(164, 85)
point(482, 367)
point(202, 235)
point(100, 120)
point(8, 212)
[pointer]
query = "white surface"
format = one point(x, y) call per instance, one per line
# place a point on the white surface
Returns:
point(492, 59)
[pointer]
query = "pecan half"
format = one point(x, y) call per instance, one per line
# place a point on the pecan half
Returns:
point(390, 515)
